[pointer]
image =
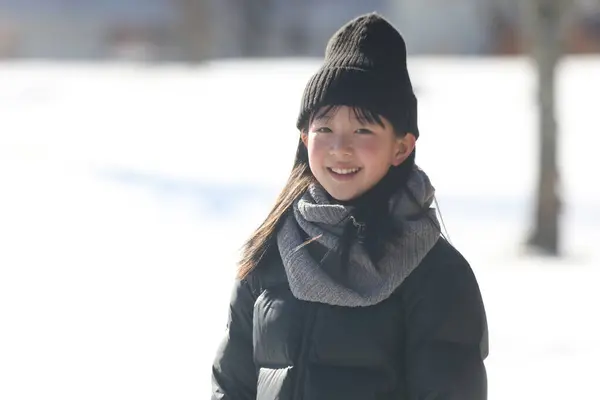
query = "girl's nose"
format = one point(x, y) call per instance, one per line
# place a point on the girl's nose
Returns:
point(341, 146)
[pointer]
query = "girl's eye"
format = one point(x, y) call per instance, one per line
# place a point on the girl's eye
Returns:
point(364, 131)
point(323, 130)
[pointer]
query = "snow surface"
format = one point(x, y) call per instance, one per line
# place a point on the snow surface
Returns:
point(127, 190)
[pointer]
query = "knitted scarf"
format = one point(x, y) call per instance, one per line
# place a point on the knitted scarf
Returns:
point(365, 283)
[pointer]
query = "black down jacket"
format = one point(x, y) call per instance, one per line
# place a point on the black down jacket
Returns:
point(426, 342)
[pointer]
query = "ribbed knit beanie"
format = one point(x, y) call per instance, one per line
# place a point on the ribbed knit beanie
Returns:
point(365, 67)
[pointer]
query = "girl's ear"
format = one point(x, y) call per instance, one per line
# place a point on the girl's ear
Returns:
point(404, 146)
point(304, 137)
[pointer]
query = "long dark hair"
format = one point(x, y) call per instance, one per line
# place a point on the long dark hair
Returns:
point(262, 240)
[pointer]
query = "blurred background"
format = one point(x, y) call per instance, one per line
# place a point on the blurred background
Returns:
point(194, 30)
point(141, 142)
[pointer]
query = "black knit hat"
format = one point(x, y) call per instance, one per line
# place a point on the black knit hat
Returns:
point(364, 66)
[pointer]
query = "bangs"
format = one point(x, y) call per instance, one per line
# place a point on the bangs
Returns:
point(363, 115)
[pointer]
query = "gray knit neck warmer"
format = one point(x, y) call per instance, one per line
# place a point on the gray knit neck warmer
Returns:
point(364, 283)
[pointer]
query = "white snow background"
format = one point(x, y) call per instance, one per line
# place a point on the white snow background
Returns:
point(127, 190)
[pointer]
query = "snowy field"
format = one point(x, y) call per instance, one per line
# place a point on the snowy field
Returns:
point(126, 192)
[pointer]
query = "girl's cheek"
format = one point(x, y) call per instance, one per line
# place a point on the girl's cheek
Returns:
point(320, 142)
point(367, 147)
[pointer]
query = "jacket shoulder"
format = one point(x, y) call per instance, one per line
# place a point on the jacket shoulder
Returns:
point(443, 251)
point(444, 256)
point(443, 266)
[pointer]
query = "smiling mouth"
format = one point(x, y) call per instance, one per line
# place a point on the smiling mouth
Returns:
point(344, 172)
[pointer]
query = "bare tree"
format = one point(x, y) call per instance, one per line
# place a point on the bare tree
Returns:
point(547, 35)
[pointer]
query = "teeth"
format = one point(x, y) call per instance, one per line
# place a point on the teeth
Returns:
point(344, 171)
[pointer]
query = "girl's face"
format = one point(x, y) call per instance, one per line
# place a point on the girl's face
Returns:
point(349, 156)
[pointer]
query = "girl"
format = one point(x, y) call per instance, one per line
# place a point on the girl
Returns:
point(347, 290)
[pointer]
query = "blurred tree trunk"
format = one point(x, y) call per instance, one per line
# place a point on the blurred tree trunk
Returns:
point(547, 50)
point(195, 33)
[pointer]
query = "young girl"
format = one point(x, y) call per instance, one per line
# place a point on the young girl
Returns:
point(347, 290)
